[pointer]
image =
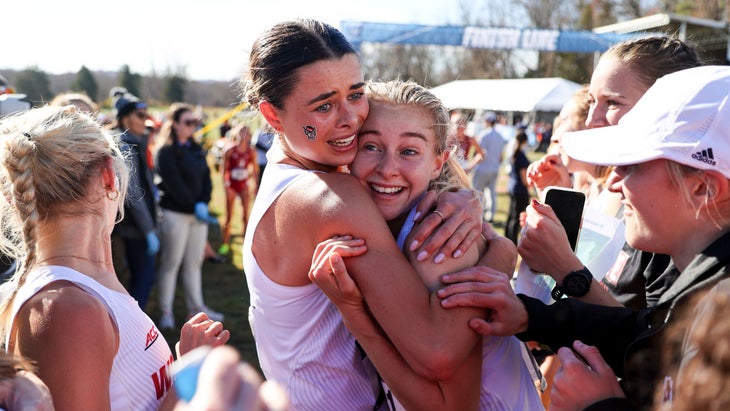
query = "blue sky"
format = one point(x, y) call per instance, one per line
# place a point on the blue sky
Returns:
point(209, 38)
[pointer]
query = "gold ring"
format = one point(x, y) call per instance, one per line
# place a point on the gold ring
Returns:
point(437, 212)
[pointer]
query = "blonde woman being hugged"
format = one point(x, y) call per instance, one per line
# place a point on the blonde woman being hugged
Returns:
point(63, 184)
point(402, 153)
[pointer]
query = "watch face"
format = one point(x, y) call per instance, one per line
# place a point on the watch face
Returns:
point(577, 283)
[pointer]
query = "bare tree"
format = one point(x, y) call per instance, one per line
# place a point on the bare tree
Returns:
point(468, 63)
point(545, 14)
point(399, 61)
point(709, 9)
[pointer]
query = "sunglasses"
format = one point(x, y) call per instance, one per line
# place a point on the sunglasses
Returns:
point(190, 123)
point(141, 115)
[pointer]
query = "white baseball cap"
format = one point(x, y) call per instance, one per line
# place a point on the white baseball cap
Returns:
point(683, 117)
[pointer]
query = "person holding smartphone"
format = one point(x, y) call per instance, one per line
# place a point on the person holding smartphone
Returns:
point(671, 156)
point(630, 277)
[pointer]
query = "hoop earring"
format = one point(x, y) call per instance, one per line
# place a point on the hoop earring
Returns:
point(113, 196)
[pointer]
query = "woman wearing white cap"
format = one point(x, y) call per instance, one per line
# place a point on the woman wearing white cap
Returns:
point(630, 277)
point(671, 153)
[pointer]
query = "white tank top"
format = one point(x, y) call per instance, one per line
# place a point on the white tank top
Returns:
point(139, 377)
point(507, 384)
point(301, 340)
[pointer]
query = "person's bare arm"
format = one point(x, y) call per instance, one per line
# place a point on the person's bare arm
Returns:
point(54, 329)
point(225, 174)
point(411, 389)
point(433, 341)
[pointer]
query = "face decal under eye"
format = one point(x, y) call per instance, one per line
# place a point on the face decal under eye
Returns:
point(310, 132)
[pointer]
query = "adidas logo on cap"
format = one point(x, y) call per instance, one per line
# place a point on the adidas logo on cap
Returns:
point(705, 156)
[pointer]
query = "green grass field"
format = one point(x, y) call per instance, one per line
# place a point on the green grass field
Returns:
point(224, 284)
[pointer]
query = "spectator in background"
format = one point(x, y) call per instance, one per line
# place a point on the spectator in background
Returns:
point(185, 190)
point(263, 139)
point(218, 149)
point(470, 152)
point(543, 133)
point(81, 101)
point(152, 127)
point(517, 186)
point(224, 128)
point(240, 169)
point(138, 229)
point(487, 171)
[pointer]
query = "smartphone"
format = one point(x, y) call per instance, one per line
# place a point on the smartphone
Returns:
point(568, 206)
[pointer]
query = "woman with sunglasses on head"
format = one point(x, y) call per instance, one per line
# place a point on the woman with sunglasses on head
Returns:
point(185, 190)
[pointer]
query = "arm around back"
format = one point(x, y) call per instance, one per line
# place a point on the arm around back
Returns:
point(432, 340)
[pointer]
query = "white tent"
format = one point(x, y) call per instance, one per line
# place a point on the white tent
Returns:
point(526, 95)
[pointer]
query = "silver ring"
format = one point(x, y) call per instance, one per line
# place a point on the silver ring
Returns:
point(437, 212)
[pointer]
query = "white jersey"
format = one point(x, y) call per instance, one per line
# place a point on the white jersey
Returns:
point(139, 377)
point(507, 384)
point(301, 340)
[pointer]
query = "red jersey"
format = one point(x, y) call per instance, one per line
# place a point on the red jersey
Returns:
point(237, 167)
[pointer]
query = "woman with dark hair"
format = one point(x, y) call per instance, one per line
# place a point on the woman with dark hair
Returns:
point(185, 189)
point(517, 186)
point(306, 81)
point(138, 230)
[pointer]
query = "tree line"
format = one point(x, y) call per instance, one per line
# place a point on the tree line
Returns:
point(40, 87)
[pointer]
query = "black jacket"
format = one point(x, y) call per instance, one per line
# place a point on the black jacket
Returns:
point(629, 340)
point(642, 280)
point(140, 207)
point(184, 177)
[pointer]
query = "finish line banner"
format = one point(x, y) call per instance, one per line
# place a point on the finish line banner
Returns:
point(480, 37)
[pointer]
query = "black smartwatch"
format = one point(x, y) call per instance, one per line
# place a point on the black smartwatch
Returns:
point(576, 284)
